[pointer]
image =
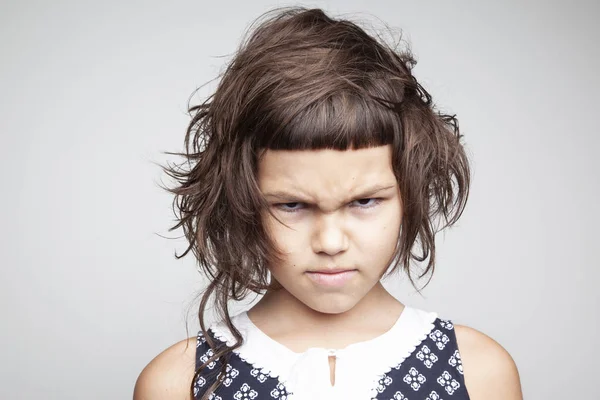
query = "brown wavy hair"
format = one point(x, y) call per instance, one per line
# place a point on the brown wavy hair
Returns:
point(301, 80)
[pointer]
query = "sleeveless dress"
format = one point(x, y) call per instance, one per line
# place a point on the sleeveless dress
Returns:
point(417, 359)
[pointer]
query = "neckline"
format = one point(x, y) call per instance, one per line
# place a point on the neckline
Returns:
point(306, 372)
point(257, 333)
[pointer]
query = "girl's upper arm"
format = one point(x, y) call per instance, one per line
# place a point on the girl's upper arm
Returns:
point(490, 372)
point(169, 375)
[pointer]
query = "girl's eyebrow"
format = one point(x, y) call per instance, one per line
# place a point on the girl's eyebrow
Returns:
point(369, 191)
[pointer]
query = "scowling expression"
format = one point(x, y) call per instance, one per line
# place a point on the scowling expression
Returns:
point(342, 210)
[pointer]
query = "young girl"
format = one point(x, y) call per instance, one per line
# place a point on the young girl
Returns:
point(317, 167)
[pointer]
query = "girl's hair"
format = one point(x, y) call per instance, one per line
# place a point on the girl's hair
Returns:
point(304, 81)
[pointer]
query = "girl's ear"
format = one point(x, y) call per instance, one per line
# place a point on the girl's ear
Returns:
point(274, 284)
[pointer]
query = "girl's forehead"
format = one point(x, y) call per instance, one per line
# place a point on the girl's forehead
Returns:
point(325, 167)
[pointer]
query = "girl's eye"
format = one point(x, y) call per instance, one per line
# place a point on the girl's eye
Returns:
point(284, 207)
point(374, 203)
point(363, 204)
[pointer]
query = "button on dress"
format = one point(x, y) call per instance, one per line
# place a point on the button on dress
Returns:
point(417, 359)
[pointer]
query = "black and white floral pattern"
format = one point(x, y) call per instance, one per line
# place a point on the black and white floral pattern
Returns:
point(433, 372)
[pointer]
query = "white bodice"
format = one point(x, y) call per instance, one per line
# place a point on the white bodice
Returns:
point(358, 367)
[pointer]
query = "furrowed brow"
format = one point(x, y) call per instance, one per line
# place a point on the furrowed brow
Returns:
point(370, 191)
point(284, 195)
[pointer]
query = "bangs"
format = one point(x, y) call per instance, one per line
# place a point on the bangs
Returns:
point(341, 122)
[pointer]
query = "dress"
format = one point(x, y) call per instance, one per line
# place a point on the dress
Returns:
point(417, 359)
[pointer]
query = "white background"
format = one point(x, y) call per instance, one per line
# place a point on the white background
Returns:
point(92, 93)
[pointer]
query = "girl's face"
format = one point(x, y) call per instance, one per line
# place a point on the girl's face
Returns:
point(342, 209)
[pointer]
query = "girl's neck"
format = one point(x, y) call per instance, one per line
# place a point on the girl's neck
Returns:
point(279, 314)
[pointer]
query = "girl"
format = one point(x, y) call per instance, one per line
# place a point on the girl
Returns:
point(316, 167)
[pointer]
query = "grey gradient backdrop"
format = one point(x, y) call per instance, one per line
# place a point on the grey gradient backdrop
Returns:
point(93, 92)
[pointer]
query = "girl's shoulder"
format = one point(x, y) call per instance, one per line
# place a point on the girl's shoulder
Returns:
point(489, 370)
point(169, 374)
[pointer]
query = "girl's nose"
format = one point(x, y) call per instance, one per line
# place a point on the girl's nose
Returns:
point(329, 235)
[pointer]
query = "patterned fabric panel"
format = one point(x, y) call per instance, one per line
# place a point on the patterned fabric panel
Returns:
point(432, 372)
point(242, 381)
